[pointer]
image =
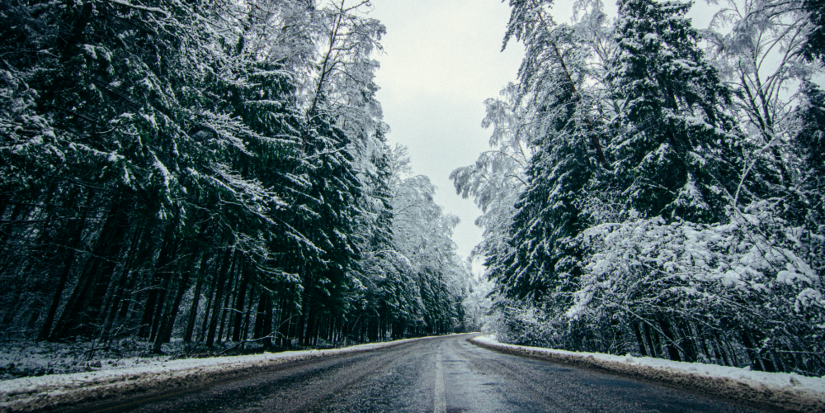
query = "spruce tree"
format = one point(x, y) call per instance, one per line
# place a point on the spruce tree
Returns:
point(814, 47)
point(677, 147)
point(543, 255)
point(329, 218)
point(811, 138)
point(809, 143)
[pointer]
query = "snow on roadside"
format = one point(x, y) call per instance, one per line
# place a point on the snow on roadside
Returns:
point(783, 390)
point(29, 393)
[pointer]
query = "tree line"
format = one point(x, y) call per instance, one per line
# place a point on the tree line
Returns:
point(210, 171)
point(659, 190)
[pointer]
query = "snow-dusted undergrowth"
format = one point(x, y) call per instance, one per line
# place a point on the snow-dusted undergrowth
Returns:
point(26, 358)
point(783, 390)
point(146, 375)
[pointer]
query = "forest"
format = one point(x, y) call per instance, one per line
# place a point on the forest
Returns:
point(214, 174)
point(659, 190)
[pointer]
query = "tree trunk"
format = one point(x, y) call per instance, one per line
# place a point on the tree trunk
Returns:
point(309, 327)
point(284, 322)
point(160, 279)
point(120, 285)
point(193, 309)
point(168, 320)
point(246, 317)
point(83, 304)
point(74, 245)
point(689, 345)
point(304, 320)
point(758, 362)
point(672, 351)
point(230, 291)
point(717, 345)
point(639, 338)
point(258, 331)
point(240, 304)
point(216, 302)
point(267, 327)
point(209, 300)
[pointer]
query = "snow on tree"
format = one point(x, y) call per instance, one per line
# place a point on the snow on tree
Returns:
point(214, 172)
point(498, 177)
point(699, 236)
point(677, 145)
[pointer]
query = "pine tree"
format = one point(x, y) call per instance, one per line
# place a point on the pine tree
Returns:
point(814, 47)
point(677, 147)
point(542, 253)
point(810, 146)
point(329, 219)
point(542, 256)
point(811, 138)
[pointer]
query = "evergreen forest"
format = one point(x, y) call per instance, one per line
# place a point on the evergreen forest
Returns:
point(657, 189)
point(209, 173)
point(210, 177)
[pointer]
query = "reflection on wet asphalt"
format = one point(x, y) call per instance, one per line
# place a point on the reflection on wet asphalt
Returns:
point(406, 378)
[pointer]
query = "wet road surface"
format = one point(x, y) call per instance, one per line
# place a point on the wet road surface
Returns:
point(445, 374)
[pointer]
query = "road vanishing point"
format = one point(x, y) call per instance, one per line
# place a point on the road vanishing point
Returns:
point(442, 374)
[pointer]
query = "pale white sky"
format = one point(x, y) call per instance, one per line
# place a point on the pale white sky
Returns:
point(442, 60)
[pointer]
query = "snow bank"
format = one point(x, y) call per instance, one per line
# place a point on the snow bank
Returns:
point(782, 390)
point(30, 393)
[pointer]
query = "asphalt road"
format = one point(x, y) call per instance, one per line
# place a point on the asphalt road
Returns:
point(445, 374)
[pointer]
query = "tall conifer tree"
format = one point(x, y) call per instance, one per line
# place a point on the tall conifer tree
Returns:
point(677, 145)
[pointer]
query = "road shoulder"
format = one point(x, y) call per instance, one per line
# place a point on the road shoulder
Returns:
point(790, 392)
point(51, 391)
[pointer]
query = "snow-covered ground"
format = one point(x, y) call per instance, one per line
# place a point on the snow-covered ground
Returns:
point(141, 375)
point(26, 358)
point(783, 390)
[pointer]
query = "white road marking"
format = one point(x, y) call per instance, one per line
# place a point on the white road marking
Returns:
point(439, 399)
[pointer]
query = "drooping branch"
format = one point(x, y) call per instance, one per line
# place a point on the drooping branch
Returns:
point(594, 139)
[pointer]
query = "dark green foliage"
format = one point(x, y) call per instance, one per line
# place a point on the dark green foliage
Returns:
point(697, 234)
point(160, 178)
point(543, 254)
point(543, 247)
point(811, 138)
point(676, 150)
point(814, 47)
point(809, 143)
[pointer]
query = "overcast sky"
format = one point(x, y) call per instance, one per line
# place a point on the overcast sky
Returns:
point(442, 59)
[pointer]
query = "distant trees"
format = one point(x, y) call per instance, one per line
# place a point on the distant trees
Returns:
point(206, 171)
point(672, 205)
